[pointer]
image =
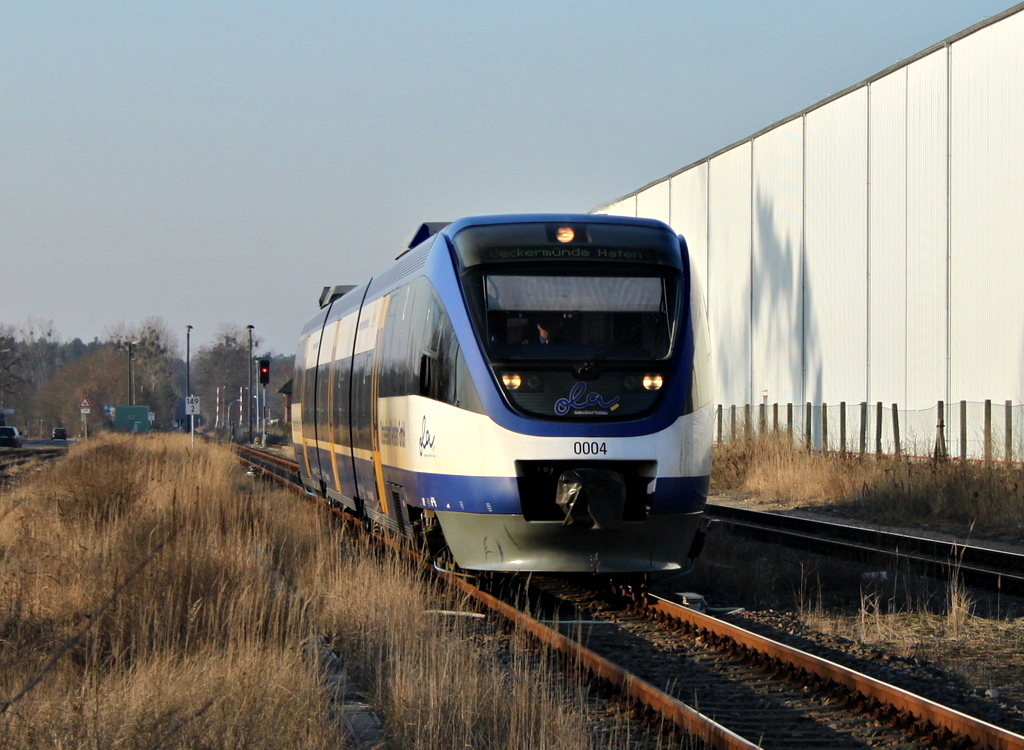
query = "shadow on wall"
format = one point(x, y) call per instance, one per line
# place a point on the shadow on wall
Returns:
point(783, 312)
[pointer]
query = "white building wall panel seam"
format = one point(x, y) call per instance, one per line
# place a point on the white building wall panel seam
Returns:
point(887, 240)
point(836, 249)
point(729, 283)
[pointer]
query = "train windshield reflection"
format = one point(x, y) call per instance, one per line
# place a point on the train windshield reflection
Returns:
point(578, 317)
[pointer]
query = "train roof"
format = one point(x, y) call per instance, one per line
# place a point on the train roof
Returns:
point(501, 239)
point(428, 229)
point(475, 221)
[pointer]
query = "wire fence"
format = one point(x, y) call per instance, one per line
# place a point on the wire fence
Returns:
point(968, 430)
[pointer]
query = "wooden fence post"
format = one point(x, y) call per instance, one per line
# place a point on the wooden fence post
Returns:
point(809, 414)
point(878, 429)
point(775, 417)
point(1008, 450)
point(988, 431)
point(789, 420)
point(842, 429)
point(896, 429)
point(863, 428)
point(732, 423)
point(940, 432)
point(748, 423)
point(963, 430)
point(719, 419)
point(824, 428)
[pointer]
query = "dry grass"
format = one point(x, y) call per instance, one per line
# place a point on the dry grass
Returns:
point(964, 496)
point(151, 595)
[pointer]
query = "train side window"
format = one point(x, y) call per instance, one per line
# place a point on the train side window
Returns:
point(362, 373)
point(299, 385)
point(442, 373)
point(395, 343)
point(342, 370)
point(466, 396)
point(307, 391)
point(323, 380)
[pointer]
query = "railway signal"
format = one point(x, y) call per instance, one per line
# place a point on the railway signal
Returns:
point(264, 371)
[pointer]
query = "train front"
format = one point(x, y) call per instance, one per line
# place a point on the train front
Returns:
point(595, 357)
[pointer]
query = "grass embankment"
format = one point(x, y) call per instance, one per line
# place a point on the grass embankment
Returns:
point(962, 496)
point(151, 595)
point(970, 634)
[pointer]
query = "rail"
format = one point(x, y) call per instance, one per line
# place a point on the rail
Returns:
point(985, 567)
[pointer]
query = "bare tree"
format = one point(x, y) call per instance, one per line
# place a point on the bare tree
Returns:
point(158, 369)
point(222, 368)
point(12, 366)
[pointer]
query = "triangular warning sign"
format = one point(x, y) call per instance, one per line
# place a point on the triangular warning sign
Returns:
point(85, 404)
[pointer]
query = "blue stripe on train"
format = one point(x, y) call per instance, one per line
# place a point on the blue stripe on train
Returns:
point(501, 494)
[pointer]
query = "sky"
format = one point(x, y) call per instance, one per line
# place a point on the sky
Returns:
point(216, 164)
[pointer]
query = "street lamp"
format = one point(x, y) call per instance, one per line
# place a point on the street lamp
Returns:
point(188, 360)
point(248, 401)
point(3, 388)
point(131, 372)
point(188, 383)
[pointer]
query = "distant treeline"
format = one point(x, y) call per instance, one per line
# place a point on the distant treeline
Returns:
point(44, 379)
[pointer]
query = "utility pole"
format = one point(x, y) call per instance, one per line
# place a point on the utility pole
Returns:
point(248, 401)
point(188, 384)
point(131, 372)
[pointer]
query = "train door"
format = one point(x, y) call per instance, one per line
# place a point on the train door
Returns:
point(332, 334)
point(298, 401)
point(313, 416)
point(341, 432)
point(378, 468)
point(363, 419)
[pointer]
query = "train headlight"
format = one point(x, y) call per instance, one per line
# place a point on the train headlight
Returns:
point(565, 234)
point(511, 380)
point(653, 382)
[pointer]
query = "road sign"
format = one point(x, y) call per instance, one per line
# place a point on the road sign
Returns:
point(191, 405)
point(85, 404)
point(85, 411)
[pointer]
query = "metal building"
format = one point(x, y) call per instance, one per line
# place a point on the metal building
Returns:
point(871, 247)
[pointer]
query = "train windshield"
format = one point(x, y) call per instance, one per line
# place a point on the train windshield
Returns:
point(578, 317)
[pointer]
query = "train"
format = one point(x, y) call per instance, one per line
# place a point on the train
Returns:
point(517, 393)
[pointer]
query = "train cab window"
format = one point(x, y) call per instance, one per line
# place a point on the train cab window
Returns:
point(578, 317)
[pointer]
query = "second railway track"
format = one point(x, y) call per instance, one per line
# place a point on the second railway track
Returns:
point(981, 566)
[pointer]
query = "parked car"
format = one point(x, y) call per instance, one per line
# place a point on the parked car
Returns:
point(10, 437)
point(59, 433)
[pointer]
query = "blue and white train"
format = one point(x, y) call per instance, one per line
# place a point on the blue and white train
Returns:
point(524, 393)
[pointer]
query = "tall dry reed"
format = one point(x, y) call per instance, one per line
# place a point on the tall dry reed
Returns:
point(964, 494)
point(152, 595)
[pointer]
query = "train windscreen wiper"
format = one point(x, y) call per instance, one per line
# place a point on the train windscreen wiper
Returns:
point(588, 370)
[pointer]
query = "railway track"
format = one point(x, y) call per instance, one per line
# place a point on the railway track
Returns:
point(984, 567)
point(10, 457)
point(770, 693)
point(711, 680)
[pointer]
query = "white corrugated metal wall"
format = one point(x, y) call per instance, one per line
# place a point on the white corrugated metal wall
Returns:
point(870, 247)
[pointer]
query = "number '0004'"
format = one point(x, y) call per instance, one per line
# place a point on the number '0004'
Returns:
point(584, 448)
